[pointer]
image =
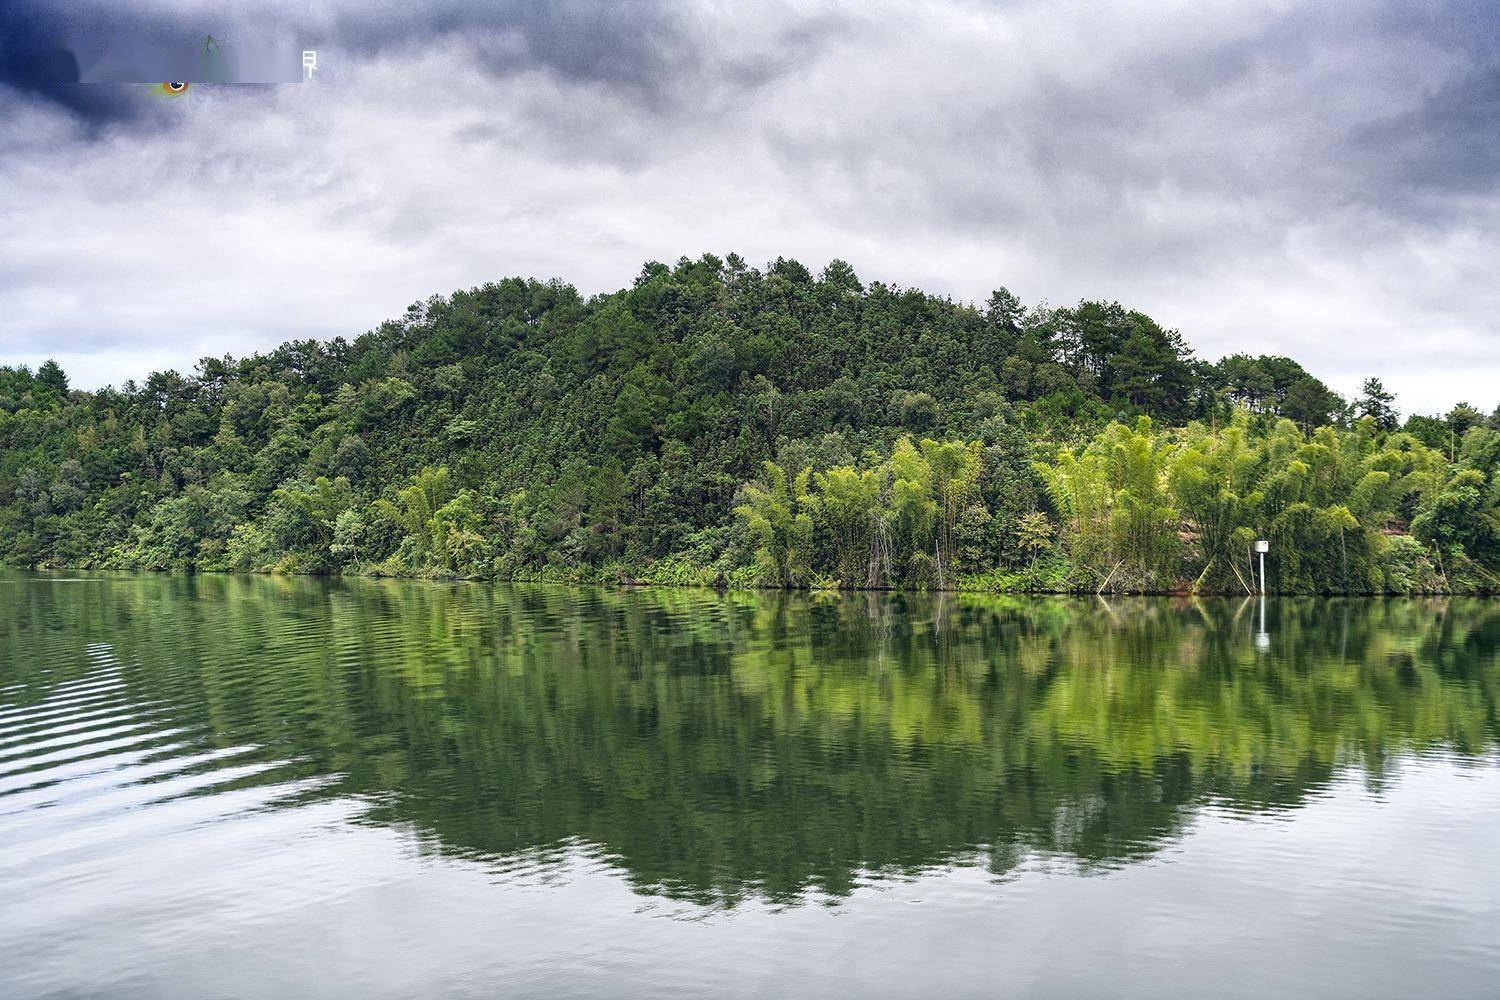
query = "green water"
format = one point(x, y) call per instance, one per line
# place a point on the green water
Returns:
point(222, 786)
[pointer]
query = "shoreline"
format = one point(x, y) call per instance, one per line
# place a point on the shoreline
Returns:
point(647, 584)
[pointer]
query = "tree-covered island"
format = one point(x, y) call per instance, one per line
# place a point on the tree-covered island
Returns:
point(719, 424)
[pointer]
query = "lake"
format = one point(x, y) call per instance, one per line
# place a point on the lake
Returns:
point(271, 787)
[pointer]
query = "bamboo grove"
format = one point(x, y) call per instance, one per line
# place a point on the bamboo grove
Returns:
point(716, 423)
point(1143, 509)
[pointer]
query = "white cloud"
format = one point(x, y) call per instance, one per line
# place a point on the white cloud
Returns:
point(1210, 170)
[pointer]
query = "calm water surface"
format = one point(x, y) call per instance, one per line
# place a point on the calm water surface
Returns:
point(263, 787)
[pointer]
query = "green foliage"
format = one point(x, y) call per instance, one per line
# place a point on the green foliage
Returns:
point(1212, 478)
point(848, 506)
point(1275, 386)
point(1378, 404)
point(518, 430)
point(1407, 567)
point(778, 515)
point(1034, 534)
point(1463, 524)
point(1118, 517)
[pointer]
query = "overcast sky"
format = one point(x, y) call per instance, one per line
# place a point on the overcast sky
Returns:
point(1320, 180)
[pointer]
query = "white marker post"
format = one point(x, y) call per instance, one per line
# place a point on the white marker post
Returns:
point(309, 61)
point(1262, 638)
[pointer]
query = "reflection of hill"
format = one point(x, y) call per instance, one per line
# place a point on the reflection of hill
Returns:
point(719, 746)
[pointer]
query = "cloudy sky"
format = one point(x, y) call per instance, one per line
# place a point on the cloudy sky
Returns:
point(1320, 180)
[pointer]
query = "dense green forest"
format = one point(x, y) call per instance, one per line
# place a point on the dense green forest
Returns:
point(716, 423)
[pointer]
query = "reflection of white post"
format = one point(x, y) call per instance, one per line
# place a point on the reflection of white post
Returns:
point(1262, 638)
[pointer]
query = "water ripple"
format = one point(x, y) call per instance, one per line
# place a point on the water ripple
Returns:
point(264, 787)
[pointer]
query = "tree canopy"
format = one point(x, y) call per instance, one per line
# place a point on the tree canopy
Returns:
point(718, 422)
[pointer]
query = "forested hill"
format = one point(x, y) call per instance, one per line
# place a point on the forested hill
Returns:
point(716, 422)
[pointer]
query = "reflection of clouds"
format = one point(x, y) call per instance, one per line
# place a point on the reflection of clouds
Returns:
point(1357, 893)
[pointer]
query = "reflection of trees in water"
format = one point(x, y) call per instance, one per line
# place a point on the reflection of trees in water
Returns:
point(716, 746)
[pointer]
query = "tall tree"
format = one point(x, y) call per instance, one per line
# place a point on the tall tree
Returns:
point(1378, 404)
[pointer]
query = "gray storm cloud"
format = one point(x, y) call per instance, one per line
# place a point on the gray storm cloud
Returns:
point(1311, 179)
